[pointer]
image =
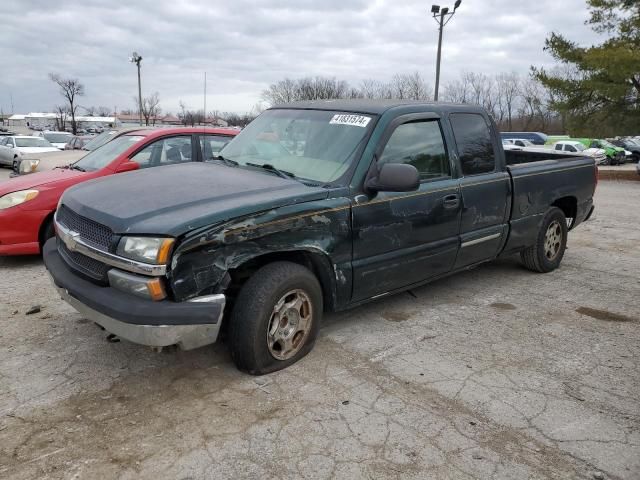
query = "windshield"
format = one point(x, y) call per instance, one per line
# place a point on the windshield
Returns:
point(104, 155)
point(580, 147)
point(99, 140)
point(314, 145)
point(57, 137)
point(32, 142)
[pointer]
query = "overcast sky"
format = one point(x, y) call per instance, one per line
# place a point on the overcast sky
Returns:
point(245, 45)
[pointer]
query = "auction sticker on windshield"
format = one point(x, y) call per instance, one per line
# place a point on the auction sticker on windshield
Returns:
point(353, 120)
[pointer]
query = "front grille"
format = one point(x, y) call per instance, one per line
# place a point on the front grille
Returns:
point(87, 266)
point(90, 231)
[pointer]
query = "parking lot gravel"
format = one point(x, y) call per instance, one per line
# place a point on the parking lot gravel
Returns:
point(493, 373)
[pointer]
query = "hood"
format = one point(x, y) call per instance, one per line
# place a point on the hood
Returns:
point(57, 158)
point(37, 149)
point(59, 145)
point(25, 182)
point(176, 199)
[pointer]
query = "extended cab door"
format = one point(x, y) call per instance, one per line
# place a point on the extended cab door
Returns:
point(484, 186)
point(404, 238)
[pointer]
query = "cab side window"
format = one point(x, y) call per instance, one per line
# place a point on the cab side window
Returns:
point(475, 146)
point(559, 146)
point(165, 151)
point(420, 144)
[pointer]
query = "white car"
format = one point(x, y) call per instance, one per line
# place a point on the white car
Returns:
point(57, 139)
point(13, 147)
point(517, 142)
point(573, 146)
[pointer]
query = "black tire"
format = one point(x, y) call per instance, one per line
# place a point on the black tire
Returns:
point(253, 310)
point(48, 231)
point(536, 258)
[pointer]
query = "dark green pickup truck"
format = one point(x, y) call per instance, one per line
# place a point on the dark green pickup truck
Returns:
point(314, 207)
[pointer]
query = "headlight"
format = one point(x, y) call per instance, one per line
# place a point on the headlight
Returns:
point(16, 198)
point(146, 249)
point(28, 166)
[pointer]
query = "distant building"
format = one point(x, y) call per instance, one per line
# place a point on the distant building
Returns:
point(50, 121)
point(17, 120)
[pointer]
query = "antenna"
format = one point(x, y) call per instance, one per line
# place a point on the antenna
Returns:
point(205, 100)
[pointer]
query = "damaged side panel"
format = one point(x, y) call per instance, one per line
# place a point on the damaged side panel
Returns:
point(320, 229)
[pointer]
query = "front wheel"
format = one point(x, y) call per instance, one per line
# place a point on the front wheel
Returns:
point(276, 318)
point(546, 254)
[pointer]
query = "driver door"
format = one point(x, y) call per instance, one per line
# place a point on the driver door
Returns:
point(408, 237)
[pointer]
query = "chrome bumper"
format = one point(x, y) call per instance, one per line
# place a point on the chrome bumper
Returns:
point(187, 337)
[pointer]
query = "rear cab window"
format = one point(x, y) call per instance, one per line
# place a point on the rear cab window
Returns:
point(474, 142)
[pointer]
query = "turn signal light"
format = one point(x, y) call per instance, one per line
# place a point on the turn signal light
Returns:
point(156, 290)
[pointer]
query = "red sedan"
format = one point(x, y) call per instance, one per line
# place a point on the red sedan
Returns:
point(27, 204)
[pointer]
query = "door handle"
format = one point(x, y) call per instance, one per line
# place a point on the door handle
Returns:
point(451, 201)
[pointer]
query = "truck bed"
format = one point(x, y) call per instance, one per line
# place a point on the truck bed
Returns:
point(537, 177)
point(517, 157)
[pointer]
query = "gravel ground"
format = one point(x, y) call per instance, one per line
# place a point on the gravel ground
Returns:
point(493, 373)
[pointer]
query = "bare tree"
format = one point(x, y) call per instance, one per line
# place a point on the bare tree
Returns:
point(103, 112)
point(150, 107)
point(281, 92)
point(70, 89)
point(62, 113)
point(457, 91)
point(508, 85)
point(182, 115)
point(412, 86)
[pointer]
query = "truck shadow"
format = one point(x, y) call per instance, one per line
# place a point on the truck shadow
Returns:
point(20, 261)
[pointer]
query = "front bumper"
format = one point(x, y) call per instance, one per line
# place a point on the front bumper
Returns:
point(158, 324)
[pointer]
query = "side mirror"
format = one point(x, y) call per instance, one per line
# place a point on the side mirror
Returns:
point(395, 177)
point(127, 167)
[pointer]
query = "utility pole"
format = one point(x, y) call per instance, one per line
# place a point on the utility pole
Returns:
point(442, 17)
point(135, 58)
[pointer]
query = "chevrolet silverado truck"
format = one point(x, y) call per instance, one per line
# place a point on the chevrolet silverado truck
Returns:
point(313, 207)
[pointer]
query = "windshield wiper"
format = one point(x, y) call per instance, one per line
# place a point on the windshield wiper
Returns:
point(271, 168)
point(226, 161)
point(73, 166)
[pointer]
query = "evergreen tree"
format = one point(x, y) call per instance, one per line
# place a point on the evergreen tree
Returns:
point(599, 92)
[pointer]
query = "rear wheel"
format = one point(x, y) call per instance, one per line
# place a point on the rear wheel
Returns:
point(546, 254)
point(276, 318)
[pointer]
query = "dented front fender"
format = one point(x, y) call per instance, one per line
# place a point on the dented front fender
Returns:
point(321, 228)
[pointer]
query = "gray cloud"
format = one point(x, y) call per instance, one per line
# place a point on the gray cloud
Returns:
point(245, 45)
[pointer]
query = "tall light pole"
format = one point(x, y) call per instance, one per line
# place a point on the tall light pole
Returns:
point(135, 58)
point(442, 17)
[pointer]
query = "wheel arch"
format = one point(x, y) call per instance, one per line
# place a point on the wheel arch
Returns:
point(568, 205)
point(43, 227)
point(316, 261)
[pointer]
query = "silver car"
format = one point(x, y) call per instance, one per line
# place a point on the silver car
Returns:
point(13, 147)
